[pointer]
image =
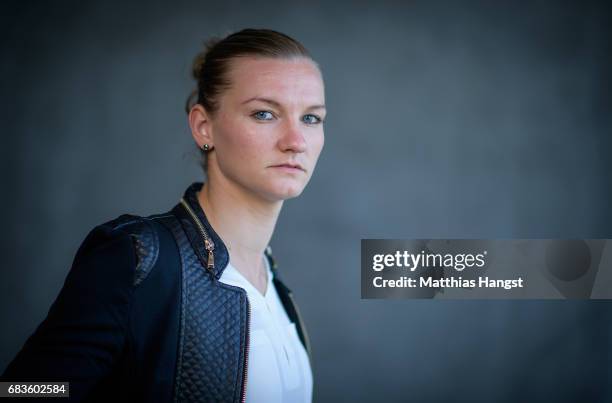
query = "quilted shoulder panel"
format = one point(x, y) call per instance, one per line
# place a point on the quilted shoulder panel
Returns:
point(145, 239)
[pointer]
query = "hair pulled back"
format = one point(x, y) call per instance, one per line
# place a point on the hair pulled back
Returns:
point(210, 66)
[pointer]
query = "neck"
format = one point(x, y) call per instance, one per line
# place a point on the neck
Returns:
point(244, 222)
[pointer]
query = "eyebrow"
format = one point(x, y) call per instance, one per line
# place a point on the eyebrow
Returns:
point(277, 104)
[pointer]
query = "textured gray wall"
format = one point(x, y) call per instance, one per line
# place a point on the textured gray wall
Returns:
point(446, 119)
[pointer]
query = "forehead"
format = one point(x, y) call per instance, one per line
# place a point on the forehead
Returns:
point(286, 80)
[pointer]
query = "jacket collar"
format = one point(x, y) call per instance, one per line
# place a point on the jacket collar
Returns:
point(191, 222)
point(191, 227)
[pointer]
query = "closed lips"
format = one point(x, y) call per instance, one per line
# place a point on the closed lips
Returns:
point(296, 166)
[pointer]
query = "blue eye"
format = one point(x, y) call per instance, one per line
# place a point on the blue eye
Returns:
point(261, 115)
point(312, 119)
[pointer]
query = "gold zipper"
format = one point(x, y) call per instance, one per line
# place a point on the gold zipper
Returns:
point(246, 353)
point(208, 243)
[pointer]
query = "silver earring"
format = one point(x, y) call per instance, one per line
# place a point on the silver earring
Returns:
point(205, 147)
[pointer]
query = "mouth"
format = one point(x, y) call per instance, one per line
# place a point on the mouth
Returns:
point(290, 167)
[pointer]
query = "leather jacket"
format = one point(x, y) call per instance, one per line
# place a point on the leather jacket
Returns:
point(142, 315)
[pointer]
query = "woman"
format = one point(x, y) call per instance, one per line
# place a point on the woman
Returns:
point(187, 305)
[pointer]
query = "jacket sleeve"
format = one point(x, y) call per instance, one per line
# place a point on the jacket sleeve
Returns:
point(84, 333)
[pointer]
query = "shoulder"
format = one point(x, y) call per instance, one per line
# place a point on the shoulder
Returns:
point(127, 240)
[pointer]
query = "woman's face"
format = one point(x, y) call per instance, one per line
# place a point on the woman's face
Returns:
point(268, 130)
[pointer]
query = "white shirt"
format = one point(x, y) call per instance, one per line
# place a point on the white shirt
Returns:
point(278, 366)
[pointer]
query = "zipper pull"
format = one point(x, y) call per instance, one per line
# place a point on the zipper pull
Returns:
point(210, 264)
point(211, 261)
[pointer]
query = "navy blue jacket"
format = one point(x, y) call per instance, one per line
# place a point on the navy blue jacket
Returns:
point(142, 316)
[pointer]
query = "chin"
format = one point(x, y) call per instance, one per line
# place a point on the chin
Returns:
point(285, 191)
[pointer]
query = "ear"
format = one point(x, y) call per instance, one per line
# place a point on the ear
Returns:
point(200, 124)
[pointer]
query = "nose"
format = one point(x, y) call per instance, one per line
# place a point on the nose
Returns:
point(292, 138)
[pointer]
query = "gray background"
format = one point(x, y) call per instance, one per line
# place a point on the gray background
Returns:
point(446, 120)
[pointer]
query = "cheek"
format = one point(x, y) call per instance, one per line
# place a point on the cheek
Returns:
point(317, 145)
point(240, 139)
